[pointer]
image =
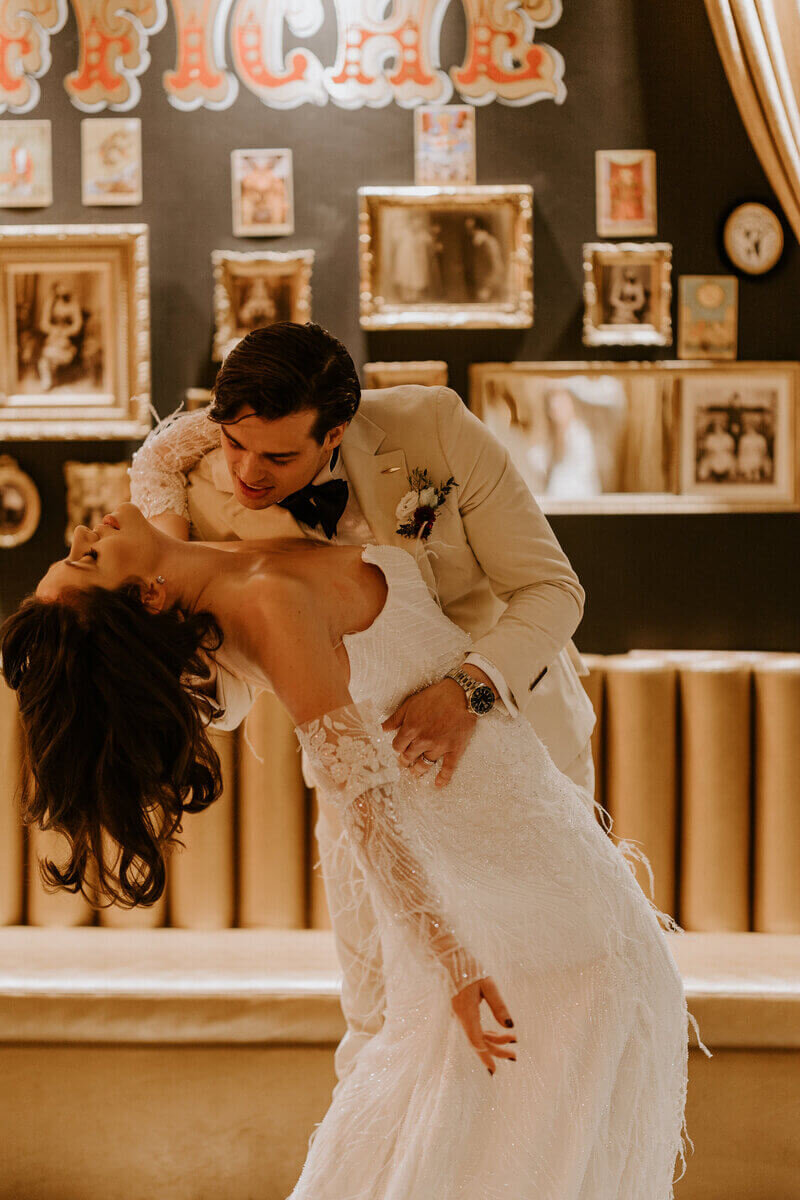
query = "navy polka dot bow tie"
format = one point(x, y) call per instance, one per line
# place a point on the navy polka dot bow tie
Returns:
point(319, 504)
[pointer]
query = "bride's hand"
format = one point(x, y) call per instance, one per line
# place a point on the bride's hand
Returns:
point(467, 1007)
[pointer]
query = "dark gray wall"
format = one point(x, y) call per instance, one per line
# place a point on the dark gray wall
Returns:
point(637, 75)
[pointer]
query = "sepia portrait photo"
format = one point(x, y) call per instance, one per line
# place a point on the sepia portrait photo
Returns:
point(456, 257)
point(93, 490)
point(707, 316)
point(61, 331)
point(577, 433)
point(253, 289)
point(444, 144)
point(625, 182)
point(738, 437)
point(263, 199)
point(111, 160)
point(26, 173)
point(627, 293)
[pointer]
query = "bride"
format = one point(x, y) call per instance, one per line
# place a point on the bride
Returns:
point(499, 886)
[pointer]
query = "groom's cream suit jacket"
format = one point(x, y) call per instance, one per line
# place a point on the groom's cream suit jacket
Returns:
point(491, 560)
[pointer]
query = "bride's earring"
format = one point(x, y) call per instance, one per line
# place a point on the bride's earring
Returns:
point(160, 579)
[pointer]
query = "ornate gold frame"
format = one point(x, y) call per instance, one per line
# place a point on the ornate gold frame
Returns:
point(657, 333)
point(294, 264)
point(517, 314)
point(11, 472)
point(669, 375)
point(431, 373)
point(123, 249)
point(84, 479)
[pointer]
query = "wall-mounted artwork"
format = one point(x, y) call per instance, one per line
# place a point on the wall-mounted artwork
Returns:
point(381, 55)
point(446, 258)
point(707, 316)
point(197, 398)
point(739, 435)
point(627, 293)
point(431, 373)
point(75, 328)
point(26, 173)
point(256, 288)
point(20, 505)
point(444, 144)
point(625, 183)
point(652, 437)
point(263, 201)
point(111, 161)
point(93, 490)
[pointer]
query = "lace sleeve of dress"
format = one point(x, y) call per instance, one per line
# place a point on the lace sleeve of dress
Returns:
point(173, 447)
point(355, 766)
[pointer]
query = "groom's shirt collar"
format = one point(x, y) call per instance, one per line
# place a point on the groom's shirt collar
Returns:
point(326, 473)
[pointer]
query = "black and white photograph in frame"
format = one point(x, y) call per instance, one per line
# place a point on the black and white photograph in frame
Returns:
point(738, 437)
point(627, 293)
point(20, 505)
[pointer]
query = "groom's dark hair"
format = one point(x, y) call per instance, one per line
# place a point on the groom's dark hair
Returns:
point(287, 368)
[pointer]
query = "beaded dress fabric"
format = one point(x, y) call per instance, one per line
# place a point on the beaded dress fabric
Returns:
point(505, 872)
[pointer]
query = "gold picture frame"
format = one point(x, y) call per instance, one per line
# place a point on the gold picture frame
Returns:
point(631, 452)
point(75, 332)
point(20, 504)
point(446, 257)
point(431, 373)
point(253, 288)
point(627, 292)
point(94, 489)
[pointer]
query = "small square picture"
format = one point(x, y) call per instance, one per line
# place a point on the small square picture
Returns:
point(111, 161)
point(444, 144)
point(263, 200)
point(257, 288)
point(625, 182)
point(627, 293)
point(707, 316)
point(26, 174)
point(737, 437)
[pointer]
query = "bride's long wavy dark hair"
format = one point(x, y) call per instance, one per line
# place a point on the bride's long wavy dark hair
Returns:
point(115, 733)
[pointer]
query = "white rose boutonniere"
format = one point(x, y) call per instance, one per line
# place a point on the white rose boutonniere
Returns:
point(416, 511)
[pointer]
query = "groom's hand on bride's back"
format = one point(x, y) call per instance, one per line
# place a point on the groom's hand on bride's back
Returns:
point(435, 722)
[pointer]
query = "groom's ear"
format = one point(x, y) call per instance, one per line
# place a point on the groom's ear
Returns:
point(335, 434)
point(153, 595)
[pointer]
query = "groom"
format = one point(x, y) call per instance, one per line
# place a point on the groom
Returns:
point(290, 446)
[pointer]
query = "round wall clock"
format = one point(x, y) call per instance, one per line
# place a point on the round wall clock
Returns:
point(753, 238)
point(20, 506)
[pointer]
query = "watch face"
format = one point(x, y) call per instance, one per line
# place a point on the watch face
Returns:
point(753, 238)
point(482, 699)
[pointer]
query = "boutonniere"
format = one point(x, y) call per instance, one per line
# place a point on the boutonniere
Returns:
point(416, 511)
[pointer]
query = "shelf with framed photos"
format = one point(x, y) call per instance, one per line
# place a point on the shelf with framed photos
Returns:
point(619, 438)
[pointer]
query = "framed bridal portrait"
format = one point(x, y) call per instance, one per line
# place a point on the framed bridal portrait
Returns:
point(627, 292)
point(257, 288)
point(75, 329)
point(446, 258)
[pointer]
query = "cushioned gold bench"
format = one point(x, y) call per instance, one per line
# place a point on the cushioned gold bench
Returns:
point(184, 1064)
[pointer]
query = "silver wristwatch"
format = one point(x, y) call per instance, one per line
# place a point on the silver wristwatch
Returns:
point(480, 697)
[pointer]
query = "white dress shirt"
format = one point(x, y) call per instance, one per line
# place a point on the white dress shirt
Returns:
point(353, 530)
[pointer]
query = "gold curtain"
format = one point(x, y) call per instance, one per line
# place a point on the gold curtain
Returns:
point(759, 44)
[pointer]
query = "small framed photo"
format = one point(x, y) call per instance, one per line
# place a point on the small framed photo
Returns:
point(444, 144)
point(75, 330)
point(738, 435)
point(26, 171)
point(93, 490)
point(257, 288)
point(20, 504)
point(625, 183)
point(627, 292)
point(263, 194)
point(707, 316)
point(432, 373)
point(111, 161)
point(446, 258)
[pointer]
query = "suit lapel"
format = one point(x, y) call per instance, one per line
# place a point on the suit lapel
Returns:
point(379, 482)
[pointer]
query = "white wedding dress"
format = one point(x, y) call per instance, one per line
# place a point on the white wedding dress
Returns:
point(505, 871)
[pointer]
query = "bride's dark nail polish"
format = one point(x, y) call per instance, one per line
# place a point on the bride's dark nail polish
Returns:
point(509, 1023)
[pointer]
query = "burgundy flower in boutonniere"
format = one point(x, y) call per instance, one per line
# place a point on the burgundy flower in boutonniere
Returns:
point(416, 511)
